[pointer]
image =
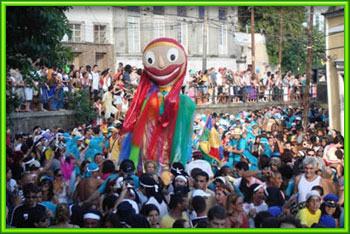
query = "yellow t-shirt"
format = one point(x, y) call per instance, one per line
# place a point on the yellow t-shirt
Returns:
point(167, 221)
point(308, 218)
point(115, 150)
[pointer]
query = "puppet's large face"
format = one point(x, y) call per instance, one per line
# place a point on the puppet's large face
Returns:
point(165, 62)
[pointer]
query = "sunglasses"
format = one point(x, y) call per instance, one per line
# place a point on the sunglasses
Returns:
point(59, 175)
point(31, 197)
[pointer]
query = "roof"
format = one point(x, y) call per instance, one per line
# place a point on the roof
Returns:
point(334, 13)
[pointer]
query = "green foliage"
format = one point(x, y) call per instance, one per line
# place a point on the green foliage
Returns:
point(80, 102)
point(12, 100)
point(34, 34)
point(294, 42)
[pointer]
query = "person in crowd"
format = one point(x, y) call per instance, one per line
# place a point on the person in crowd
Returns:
point(152, 213)
point(217, 217)
point(236, 217)
point(177, 210)
point(26, 215)
point(312, 213)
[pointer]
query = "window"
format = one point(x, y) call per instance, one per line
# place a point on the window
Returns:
point(100, 34)
point(222, 13)
point(182, 34)
point(76, 32)
point(181, 11)
point(223, 39)
point(201, 12)
point(133, 35)
point(158, 10)
point(134, 8)
point(158, 28)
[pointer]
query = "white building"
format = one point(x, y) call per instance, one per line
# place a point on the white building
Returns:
point(108, 35)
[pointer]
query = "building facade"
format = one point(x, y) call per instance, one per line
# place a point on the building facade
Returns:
point(92, 36)
point(109, 35)
point(334, 33)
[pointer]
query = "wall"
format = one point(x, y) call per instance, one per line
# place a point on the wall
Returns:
point(88, 16)
point(335, 53)
point(25, 122)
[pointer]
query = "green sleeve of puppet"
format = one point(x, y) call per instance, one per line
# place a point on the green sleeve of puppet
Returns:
point(182, 140)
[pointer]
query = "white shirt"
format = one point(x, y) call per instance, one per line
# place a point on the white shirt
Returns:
point(219, 79)
point(95, 80)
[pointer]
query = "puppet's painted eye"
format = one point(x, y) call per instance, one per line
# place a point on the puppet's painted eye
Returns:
point(172, 54)
point(150, 58)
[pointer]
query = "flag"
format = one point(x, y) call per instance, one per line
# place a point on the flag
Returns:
point(210, 143)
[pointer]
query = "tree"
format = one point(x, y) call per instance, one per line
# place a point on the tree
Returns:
point(34, 34)
point(267, 20)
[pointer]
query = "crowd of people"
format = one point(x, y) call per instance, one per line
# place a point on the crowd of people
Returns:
point(274, 174)
point(112, 93)
point(225, 86)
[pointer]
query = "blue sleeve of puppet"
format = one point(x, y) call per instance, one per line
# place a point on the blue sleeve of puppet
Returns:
point(126, 147)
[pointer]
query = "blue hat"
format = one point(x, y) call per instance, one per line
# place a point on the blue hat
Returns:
point(275, 211)
point(331, 200)
point(92, 167)
point(327, 221)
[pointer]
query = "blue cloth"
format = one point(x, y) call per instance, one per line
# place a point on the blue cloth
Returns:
point(72, 147)
point(275, 210)
point(238, 145)
point(103, 187)
point(290, 187)
point(328, 221)
point(126, 148)
point(50, 206)
point(94, 148)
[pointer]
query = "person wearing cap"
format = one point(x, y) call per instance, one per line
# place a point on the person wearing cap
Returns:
point(235, 147)
point(330, 207)
point(88, 186)
point(114, 144)
point(312, 213)
point(92, 219)
point(199, 162)
point(152, 192)
point(255, 202)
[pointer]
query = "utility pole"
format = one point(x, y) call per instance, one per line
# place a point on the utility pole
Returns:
point(205, 39)
point(280, 47)
point(308, 72)
point(253, 40)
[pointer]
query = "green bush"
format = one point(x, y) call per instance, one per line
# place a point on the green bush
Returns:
point(80, 103)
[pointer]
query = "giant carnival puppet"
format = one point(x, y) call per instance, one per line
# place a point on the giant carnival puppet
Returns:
point(158, 124)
